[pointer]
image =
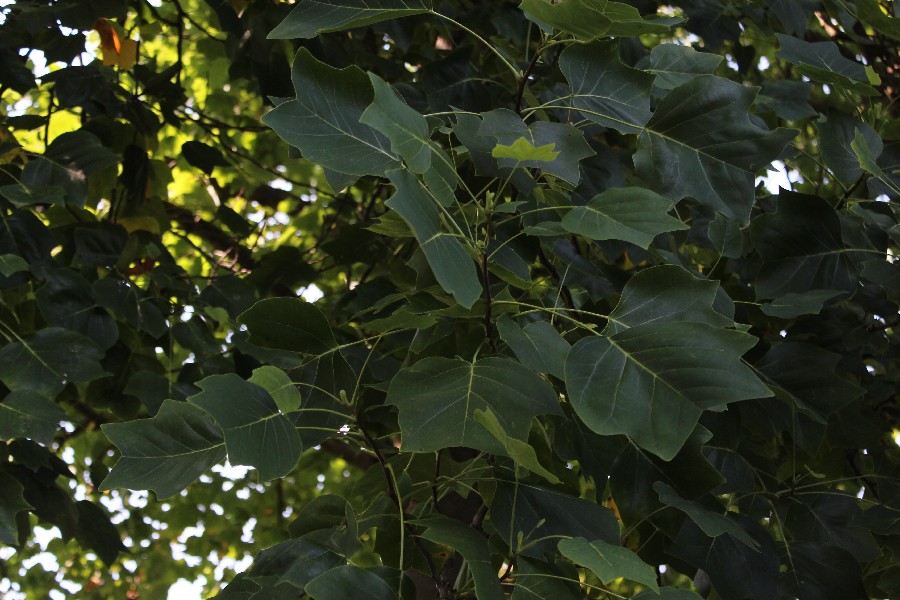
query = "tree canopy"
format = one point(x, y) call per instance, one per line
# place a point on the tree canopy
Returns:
point(449, 299)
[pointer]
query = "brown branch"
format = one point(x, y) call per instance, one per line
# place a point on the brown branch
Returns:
point(220, 240)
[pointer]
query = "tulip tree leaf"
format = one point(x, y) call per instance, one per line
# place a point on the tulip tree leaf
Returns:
point(289, 324)
point(590, 19)
point(666, 293)
point(12, 263)
point(538, 345)
point(11, 503)
point(323, 121)
point(524, 150)
point(349, 581)
point(791, 306)
point(472, 546)
point(605, 90)
point(608, 561)
point(701, 143)
point(823, 62)
point(437, 399)
point(312, 17)
point(25, 414)
point(673, 65)
point(165, 453)
point(523, 454)
point(44, 362)
point(653, 381)
point(256, 433)
point(280, 387)
point(404, 127)
point(712, 523)
point(451, 265)
point(635, 215)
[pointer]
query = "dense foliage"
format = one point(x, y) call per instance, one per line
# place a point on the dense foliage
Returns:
point(568, 344)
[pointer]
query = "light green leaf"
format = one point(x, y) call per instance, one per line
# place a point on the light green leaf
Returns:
point(608, 562)
point(280, 387)
point(312, 17)
point(165, 453)
point(12, 263)
point(538, 345)
point(288, 324)
point(25, 414)
point(712, 524)
point(793, 305)
point(12, 502)
point(474, 549)
point(635, 215)
point(864, 155)
point(44, 362)
point(522, 150)
point(605, 90)
point(653, 381)
point(523, 454)
point(666, 293)
point(404, 127)
point(256, 433)
point(701, 143)
point(824, 63)
point(323, 121)
point(437, 399)
point(590, 19)
point(349, 581)
point(674, 64)
point(451, 265)
point(568, 142)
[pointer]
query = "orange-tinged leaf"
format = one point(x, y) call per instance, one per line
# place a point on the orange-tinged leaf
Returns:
point(117, 50)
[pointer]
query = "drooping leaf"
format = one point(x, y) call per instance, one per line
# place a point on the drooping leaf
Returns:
point(97, 532)
point(313, 17)
point(713, 524)
point(451, 265)
point(653, 381)
point(634, 215)
point(256, 432)
point(666, 293)
point(701, 143)
point(674, 64)
point(569, 146)
point(802, 248)
point(792, 305)
point(591, 19)
point(165, 453)
point(404, 127)
point(538, 345)
point(823, 62)
point(473, 548)
point(12, 502)
point(67, 300)
point(289, 324)
point(523, 454)
point(837, 132)
point(203, 156)
point(437, 399)
point(608, 561)
point(323, 121)
point(605, 90)
point(29, 415)
point(280, 387)
point(44, 362)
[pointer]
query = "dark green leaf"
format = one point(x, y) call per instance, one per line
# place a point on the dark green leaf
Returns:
point(312, 17)
point(29, 415)
point(451, 265)
point(203, 156)
point(474, 549)
point(713, 524)
point(608, 561)
point(653, 381)
point(165, 453)
point(634, 215)
point(837, 131)
point(12, 263)
point(323, 121)
point(256, 432)
point(289, 324)
point(605, 90)
point(97, 532)
point(521, 453)
point(590, 19)
point(46, 361)
point(538, 345)
point(791, 306)
point(823, 62)
point(20, 194)
point(349, 581)
point(437, 399)
point(11, 503)
point(674, 64)
point(296, 562)
point(404, 127)
point(701, 143)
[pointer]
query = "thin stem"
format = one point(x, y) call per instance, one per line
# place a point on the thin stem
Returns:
point(487, 44)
